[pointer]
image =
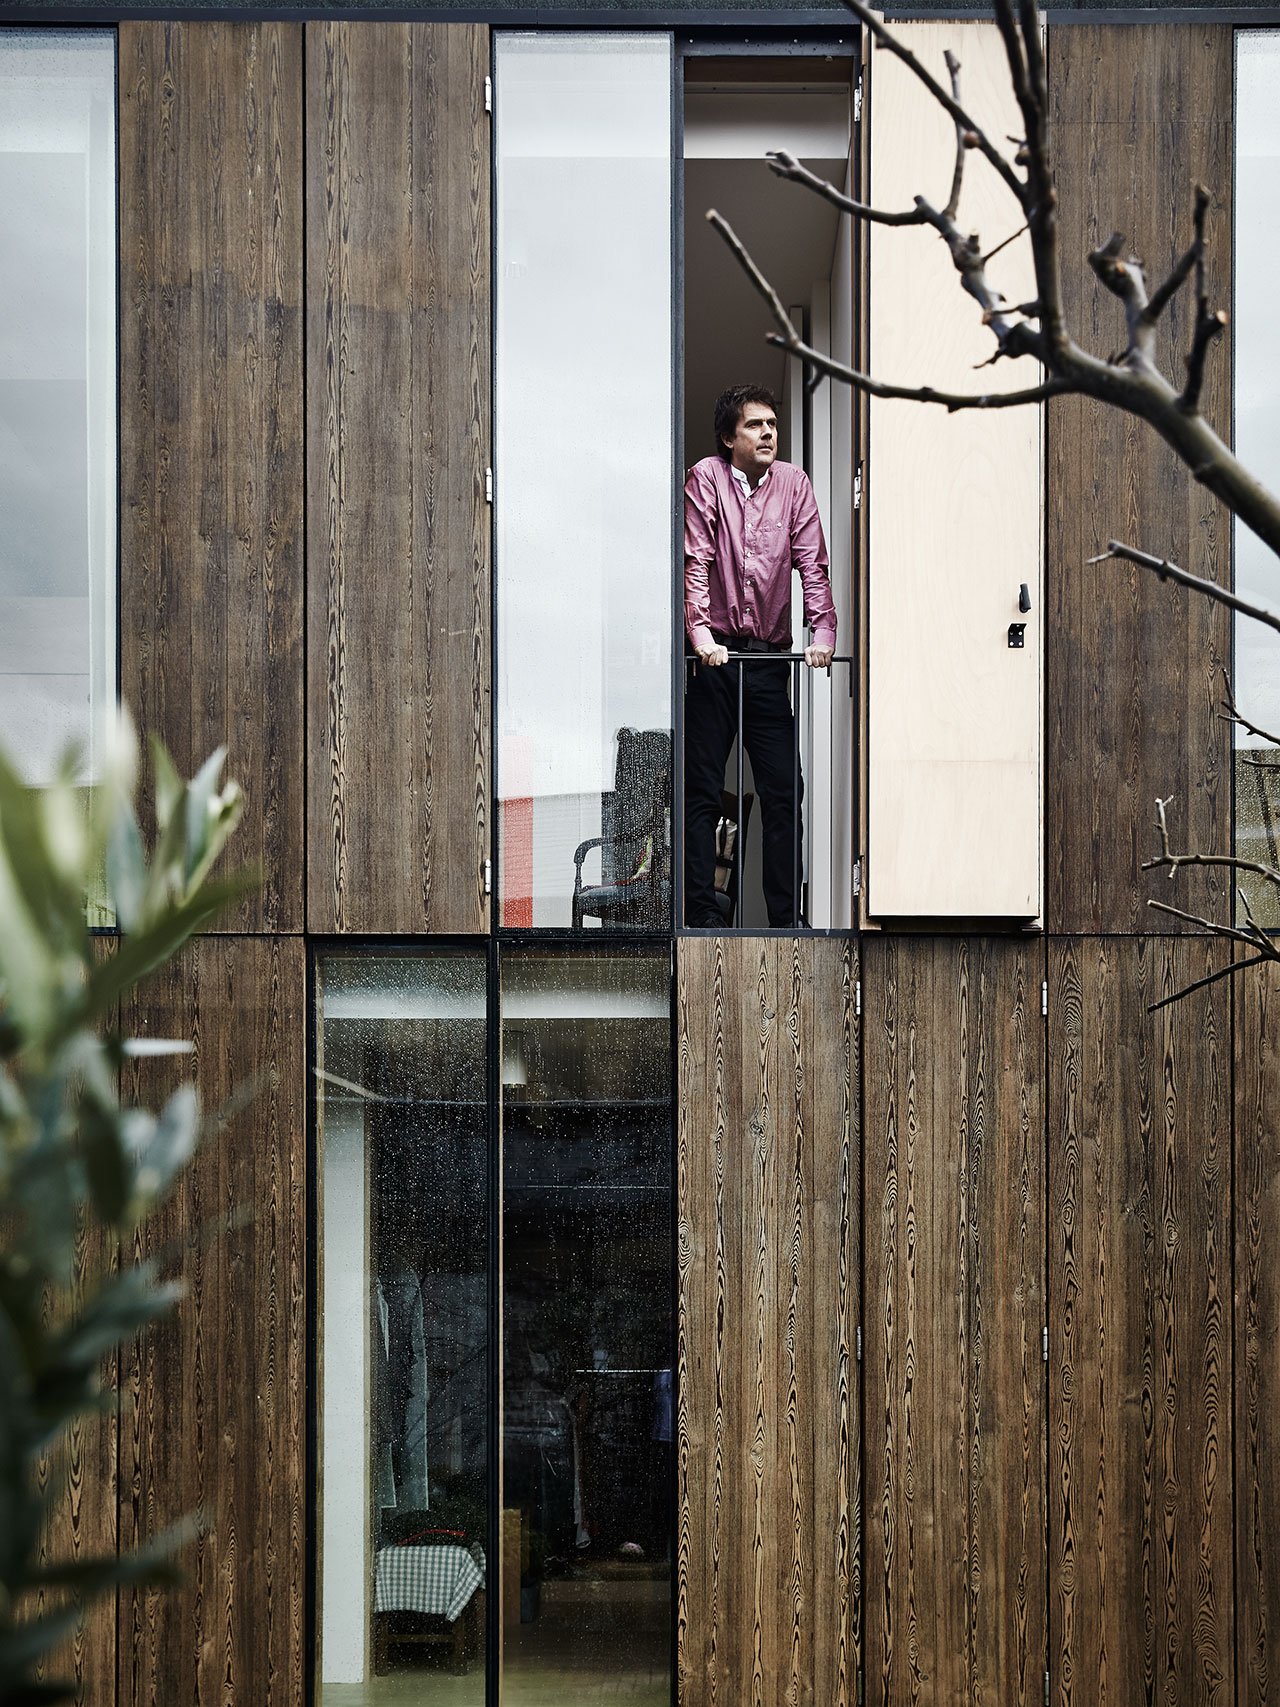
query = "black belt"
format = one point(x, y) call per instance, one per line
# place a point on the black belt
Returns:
point(745, 643)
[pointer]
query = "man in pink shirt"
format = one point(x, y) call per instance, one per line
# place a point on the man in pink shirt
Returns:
point(749, 520)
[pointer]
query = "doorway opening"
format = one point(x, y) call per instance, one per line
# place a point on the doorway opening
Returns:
point(737, 109)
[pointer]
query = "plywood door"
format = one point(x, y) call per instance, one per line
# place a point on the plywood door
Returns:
point(211, 473)
point(1140, 1354)
point(954, 714)
point(398, 444)
point(215, 1398)
point(953, 1382)
point(768, 1544)
point(1141, 114)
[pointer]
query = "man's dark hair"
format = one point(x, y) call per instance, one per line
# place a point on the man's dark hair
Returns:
point(729, 407)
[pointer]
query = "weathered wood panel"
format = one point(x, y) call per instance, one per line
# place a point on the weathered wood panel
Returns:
point(1257, 1335)
point(215, 1400)
point(1140, 115)
point(398, 442)
point(1140, 1356)
point(768, 1544)
point(953, 1380)
point(80, 1477)
point(211, 432)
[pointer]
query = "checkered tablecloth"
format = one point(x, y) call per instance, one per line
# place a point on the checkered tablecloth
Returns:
point(434, 1579)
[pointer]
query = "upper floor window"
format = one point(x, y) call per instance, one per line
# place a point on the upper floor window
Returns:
point(583, 455)
point(57, 397)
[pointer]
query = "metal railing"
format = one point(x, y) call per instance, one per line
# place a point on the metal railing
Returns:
point(797, 668)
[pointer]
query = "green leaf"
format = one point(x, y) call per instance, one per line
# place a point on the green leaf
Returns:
point(142, 953)
point(21, 1647)
point(200, 791)
point(126, 868)
point(168, 783)
point(169, 1145)
point(123, 1304)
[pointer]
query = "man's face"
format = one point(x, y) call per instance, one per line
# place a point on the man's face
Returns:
point(755, 441)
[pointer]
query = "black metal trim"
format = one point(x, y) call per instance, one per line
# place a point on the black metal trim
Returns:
point(798, 23)
point(311, 1328)
point(493, 1351)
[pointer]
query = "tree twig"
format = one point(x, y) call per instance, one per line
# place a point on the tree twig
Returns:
point(786, 165)
point(1168, 571)
point(1181, 272)
point(1227, 971)
point(1233, 714)
point(981, 141)
point(788, 338)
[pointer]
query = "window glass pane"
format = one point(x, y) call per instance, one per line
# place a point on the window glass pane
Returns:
point(1257, 433)
point(403, 1125)
point(583, 477)
point(57, 395)
point(587, 1331)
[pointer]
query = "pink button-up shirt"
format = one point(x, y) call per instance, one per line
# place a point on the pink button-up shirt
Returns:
point(739, 552)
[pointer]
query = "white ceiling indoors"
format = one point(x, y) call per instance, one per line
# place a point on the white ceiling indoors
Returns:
point(789, 230)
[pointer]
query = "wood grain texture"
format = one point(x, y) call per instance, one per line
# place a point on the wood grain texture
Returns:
point(768, 1542)
point(1257, 1335)
point(215, 1399)
point(398, 441)
point(1140, 1355)
point(1133, 668)
point(953, 1382)
point(79, 1478)
point(211, 433)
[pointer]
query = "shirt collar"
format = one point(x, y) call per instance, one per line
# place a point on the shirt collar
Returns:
point(744, 484)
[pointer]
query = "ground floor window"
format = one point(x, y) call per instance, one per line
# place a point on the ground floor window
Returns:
point(494, 1296)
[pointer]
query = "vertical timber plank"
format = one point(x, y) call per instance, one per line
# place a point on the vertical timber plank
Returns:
point(211, 432)
point(80, 1477)
point(398, 439)
point(215, 1398)
point(953, 1119)
point(768, 1448)
point(1140, 1356)
point(1141, 114)
point(1257, 1335)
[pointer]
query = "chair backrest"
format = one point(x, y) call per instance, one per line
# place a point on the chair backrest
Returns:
point(640, 801)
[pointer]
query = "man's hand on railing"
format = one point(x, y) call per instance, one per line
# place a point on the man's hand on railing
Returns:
point(714, 655)
point(818, 657)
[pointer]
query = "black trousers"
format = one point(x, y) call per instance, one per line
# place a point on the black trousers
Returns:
point(710, 725)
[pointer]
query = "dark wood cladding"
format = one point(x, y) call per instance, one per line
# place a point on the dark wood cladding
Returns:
point(398, 444)
point(1141, 114)
point(953, 1382)
point(1140, 1354)
point(768, 1543)
point(1257, 1335)
point(215, 1399)
point(211, 431)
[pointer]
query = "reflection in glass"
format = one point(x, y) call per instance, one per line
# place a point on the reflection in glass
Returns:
point(403, 1304)
point(583, 479)
point(587, 1331)
point(57, 395)
point(1257, 437)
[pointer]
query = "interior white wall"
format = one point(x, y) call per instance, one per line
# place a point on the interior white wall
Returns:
point(345, 1443)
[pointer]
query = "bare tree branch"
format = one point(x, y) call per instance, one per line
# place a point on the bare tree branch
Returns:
point(1167, 860)
point(1181, 272)
point(957, 173)
point(1211, 926)
point(948, 102)
point(1167, 571)
point(1233, 714)
point(786, 165)
point(788, 338)
point(1227, 971)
